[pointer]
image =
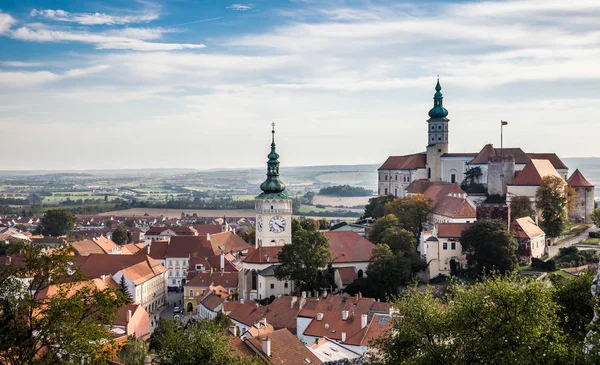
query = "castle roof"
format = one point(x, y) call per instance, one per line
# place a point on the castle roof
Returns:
point(577, 180)
point(407, 162)
point(525, 228)
point(521, 158)
point(533, 172)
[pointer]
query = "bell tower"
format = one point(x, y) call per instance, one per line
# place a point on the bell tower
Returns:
point(273, 206)
point(437, 135)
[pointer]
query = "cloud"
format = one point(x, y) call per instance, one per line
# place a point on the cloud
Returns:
point(20, 64)
point(23, 79)
point(6, 21)
point(241, 7)
point(93, 18)
point(128, 38)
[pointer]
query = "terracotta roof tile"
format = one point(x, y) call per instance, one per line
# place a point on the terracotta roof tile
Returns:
point(107, 245)
point(229, 241)
point(186, 246)
point(533, 172)
point(263, 255)
point(577, 180)
point(285, 349)
point(348, 246)
point(347, 274)
point(211, 301)
point(205, 279)
point(240, 347)
point(408, 162)
point(525, 228)
point(451, 230)
point(86, 247)
point(203, 229)
point(158, 249)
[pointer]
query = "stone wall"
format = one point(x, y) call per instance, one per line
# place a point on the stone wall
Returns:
point(501, 170)
point(584, 204)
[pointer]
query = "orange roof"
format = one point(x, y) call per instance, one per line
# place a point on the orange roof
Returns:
point(521, 157)
point(144, 270)
point(285, 349)
point(347, 274)
point(240, 347)
point(186, 246)
point(447, 198)
point(451, 230)
point(121, 319)
point(348, 246)
point(533, 172)
point(106, 244)
point(130, 248)
point(454, 207)
point(228, 241)
point(577, 180)
point(203, 229)
point(86, 247)
point(407, 162)
point(332, 325)
point(96, 265)
point(158, 249)
point(263, 255)
point(377, 327)
point(525, 228)
point(211, 301)
point(72, 288)
point(205, 279)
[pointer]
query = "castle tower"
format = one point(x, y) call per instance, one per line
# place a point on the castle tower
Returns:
point(437, 135)
point(273, 207)
point(584, 198)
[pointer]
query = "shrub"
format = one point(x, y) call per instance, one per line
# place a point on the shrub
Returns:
point(594, 234)
point(549, 265)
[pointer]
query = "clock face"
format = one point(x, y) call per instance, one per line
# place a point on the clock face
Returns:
point(277, 224)
point(259, 223)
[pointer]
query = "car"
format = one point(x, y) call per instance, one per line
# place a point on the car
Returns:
point(177, 310)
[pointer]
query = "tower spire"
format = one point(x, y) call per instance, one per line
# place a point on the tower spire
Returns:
point(438, 112)
point(272, 186)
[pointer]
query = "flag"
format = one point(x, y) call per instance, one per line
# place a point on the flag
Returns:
point(504, 122)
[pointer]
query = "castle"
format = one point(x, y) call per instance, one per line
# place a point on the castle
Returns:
point(508, 172)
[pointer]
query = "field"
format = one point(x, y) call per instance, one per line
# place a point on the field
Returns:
point(176, 213)
point(335, 201)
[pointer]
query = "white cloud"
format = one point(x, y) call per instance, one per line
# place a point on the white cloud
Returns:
point(20, 64)
point(23, 79)
point(93, 18)
point(111, 40)
point(241, 7)
point(6, 21)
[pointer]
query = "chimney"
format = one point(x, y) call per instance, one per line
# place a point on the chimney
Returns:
point(359, 295)
point(264, 321)
point(344, 315)
point(356, 298)
point(303, 295)
point(363, 321)
point(208, 236)
point(148, 249)
point(319, 316)
point(235, 331)
point(222, 261)
point(103, 277)
point(343, 336)
point(242, 301)
point(293, 301)
point(266, 346)
point(128, 316)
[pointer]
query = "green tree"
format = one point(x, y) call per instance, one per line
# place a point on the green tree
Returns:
point(489, 246)
point(125, 290)
point(56, 318)
point(304, 260)
point(375, 208)
point(412, 212)
point(133, 352)
point(58, 222)
point(203, 342)
point(596, 217)
point(575, 303)
point(381, 225)
point(119, 235)
point(309, 224)
point(553, 199)
point(324, 224)
point(501, 320)
point(387, 271)
point(129, 223)
point(34, 199)
point(399, 240)
point(248, 235)
point(520, 206)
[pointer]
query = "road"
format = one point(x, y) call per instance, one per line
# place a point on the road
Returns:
point(553, 250)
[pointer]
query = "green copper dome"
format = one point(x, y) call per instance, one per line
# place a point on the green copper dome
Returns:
point(438, 112)
point(272, 187)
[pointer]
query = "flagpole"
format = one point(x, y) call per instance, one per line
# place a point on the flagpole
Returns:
point(501, 140)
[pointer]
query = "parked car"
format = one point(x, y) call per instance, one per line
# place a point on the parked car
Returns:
point(177, 310)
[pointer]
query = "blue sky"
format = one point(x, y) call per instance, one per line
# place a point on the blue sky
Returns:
point(131, 84)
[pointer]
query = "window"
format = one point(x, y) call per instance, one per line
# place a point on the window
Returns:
point(439, 139)
point(432, 127)
point(191, 292)
point(429, 173)
point(170, 263)
point(453, 178)
point(177, 263)
point(445, 245)
point(170, 272)
point(453, 245)
point(396, 176)
point(386, 192)
point(174, 282)
point(439, 127)
point(285, 285)
point(396, 192)
point(271, 207)
point(272, 286)
point(385, 177)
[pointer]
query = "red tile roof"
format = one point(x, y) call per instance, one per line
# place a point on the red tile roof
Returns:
point(332, 325)
point(377, 327)
point(203, 229)
point(263, 255)
point(443, 203)
point(211, 301)
point(348, 246)
point(521, 157)
point(285, 349)
point(347, 274)
point(205, 279)
point(96, 265)
point(86, 247)
point(240, 347)
point(451, 230)
point(408, 162)
point(450, 206)
point(552, 157)
point(533, 172)
point(577, 180)
point(229, 241)
point(180, 231)
point(158, 249)
point(525, 228)
point(187, 246)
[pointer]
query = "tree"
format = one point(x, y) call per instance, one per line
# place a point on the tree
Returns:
point(576, 304)
point(304, 260)
point(553, 199)
point(412, 212)
point(58, 222)
point(324, 224)
point(129, 223)
point(108, 223)
point(309, 224)
point(596, 217)
point(399, 240)
point(133, 352)
point(59, 317)
point(119, 235)
point(387, 271)
point(125, 290)
point(520, 206)
point(203, 342)
point(381, 225)
point(499, 320)
point(489, 246)
point(375, 208)
point(248, 235)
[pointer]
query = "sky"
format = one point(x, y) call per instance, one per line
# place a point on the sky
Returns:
point(196, 84)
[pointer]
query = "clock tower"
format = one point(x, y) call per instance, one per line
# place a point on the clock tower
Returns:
point(273, 206)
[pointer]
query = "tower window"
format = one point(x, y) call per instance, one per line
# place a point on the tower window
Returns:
point(396, 177)
point(453, 178)
point(385, 180)
point(432, 127)
point(439, 127)
point(271, 207)
point(439, 138)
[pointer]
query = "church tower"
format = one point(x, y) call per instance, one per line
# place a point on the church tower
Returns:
point(273, 207)
point(437, 135)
